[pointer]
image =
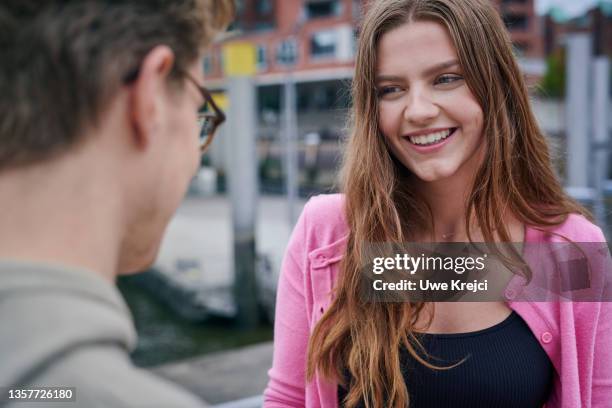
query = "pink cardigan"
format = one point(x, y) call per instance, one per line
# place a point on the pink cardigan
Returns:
point(571, 333)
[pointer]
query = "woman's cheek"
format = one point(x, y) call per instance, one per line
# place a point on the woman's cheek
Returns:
point(388, 123)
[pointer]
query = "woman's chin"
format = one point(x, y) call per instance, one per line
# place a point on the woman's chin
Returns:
point(433, 176)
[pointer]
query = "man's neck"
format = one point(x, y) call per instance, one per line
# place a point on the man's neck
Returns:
point(57, 213)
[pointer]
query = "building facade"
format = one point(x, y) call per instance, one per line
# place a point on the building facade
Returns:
point(524, 25)
point(316, 38)
point(313, 38)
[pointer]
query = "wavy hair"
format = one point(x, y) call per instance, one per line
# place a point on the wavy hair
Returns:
point(382, 206)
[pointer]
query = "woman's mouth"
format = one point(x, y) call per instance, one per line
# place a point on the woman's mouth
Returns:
point(431, 139)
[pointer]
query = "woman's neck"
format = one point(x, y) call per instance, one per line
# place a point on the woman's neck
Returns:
point(447, 200)
point(448, 203)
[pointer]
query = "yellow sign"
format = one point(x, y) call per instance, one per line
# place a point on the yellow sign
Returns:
point(220, 99)
point(239, 59)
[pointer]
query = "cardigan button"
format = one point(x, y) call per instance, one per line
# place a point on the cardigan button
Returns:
point(546, 337)
point(320, 260)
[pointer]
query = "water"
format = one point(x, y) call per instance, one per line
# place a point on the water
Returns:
point(164, 337)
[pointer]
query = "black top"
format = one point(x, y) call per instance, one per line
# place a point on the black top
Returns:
point(505, 367)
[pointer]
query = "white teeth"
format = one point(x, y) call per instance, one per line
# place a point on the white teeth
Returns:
point(430, 138)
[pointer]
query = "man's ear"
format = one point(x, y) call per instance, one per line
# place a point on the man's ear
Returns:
point(147, 94)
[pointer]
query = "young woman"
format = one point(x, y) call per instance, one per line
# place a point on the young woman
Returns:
point(444, 147)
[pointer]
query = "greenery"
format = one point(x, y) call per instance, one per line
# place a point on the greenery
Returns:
point(553, 82)
point(271, 169)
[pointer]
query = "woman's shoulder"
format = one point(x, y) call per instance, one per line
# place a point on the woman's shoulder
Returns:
point(323, 222)
point(325, 209)
point(576, 228)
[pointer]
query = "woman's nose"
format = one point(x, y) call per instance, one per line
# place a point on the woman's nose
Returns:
point(420, 109)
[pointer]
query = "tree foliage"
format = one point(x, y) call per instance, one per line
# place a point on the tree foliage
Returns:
point(553, 82)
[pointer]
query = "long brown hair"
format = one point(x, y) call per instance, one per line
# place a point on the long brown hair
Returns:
point(382, 206)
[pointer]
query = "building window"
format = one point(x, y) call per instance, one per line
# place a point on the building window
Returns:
point(269, 100)
point(520, 48)
point(323, 44)
point(286, 52)
point(322, 96)
point(264, 7)
point(516, 21)
point(262, 60)
point(239, 7)
point(322, 8)
point(207, 64)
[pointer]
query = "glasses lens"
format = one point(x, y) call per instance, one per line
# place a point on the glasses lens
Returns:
point(207, 127)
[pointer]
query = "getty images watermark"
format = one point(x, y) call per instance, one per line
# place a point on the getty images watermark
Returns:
point(411, 264)
point(485, 272)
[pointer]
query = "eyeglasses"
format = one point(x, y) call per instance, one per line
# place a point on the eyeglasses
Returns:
point(210, 116)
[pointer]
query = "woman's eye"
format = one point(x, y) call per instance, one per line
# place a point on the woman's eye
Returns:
point(386, 90)
point(448, 79)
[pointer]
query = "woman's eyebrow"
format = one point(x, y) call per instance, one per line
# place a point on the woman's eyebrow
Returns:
point(441, 66)
point(429, 71)
point(389, 78)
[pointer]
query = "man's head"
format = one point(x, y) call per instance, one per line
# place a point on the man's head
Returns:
point(109, 80)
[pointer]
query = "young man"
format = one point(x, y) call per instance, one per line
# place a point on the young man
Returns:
point(99, 138)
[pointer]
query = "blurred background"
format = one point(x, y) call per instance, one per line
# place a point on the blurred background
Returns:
point(282, 72)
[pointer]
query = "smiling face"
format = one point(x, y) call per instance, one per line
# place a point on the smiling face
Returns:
point(427, 113)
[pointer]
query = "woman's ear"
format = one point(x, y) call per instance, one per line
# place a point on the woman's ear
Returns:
point(148, 95)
